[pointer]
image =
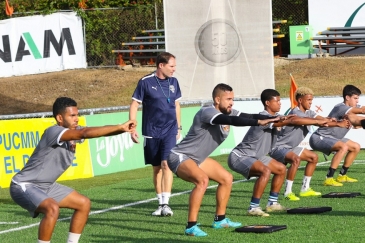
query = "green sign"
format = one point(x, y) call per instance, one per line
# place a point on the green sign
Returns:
point(115, 153)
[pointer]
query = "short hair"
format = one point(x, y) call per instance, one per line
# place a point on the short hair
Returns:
point(350, 90)
point(164, 58)
point(220, 87)
point(60, 105)
point(268, 94)
point(302, 91)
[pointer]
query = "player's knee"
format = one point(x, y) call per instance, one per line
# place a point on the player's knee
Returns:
point(266, 172)
point(356, 148)
point(52, 210)
point(313, 158)
point(86, 203)
point(202, 181)
point(296, 162)
point(227, 179)
point(281, 169)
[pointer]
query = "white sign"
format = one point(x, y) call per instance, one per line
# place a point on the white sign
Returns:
point(336, 13)
point(220, 41)
point(39, 44)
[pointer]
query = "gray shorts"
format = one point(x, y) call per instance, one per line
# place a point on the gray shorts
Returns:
point(29, 196)
point(174, 160)
point(242, 163)
point(324, 144)
point(279, 153)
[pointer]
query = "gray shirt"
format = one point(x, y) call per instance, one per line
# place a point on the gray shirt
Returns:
point(292, 136)
point(259, 140)
point(335, 132)
point(49, 160)
point(204, 136)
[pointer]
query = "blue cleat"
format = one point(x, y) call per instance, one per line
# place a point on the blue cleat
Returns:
point(225, 223)
point(195, 231)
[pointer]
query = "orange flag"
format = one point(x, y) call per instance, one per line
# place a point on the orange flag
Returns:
point(293, 88)
point(82, 4)
point(8, 10)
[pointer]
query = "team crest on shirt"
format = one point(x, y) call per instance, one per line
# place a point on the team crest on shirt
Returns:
point(225, 128)
point(172, 88)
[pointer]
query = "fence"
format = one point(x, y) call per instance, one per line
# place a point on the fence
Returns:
point(106, 29)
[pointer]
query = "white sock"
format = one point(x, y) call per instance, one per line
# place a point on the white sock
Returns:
point(73, 237)
point(159, 197)
point(288, 186)
point(306, 183)
point(166, 197)
point(42, 241)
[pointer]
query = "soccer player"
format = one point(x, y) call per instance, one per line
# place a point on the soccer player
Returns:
point(287, 150)
point(159, 93)
point(189, 159)
point(250, 158)
point(332, 139)
point(34, 187)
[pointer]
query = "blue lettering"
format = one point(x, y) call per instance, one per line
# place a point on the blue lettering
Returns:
point(74, 163)
point(30, 142)
point(25, 159)
point(7, 147)
point(14, 165)
point(7, 165)
point(15, 135)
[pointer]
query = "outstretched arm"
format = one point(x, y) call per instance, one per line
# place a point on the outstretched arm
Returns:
point(94, 132)
point(357, 121)
point(240, 121)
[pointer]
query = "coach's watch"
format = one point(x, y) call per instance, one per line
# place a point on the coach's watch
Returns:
point(179, 128)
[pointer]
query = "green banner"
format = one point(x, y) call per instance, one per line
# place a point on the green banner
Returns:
point(115, 153)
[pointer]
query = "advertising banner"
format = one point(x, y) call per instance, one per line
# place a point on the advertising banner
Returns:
point(18, 139)
point(42, 43)
point(115, 153)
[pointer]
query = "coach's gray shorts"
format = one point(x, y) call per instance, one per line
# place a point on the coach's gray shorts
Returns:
point(279, 153)
point(242, 163)
point(175, 159)
point(324, 144)
point(29, 195)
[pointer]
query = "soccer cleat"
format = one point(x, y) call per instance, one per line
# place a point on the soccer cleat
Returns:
point(166, 211)
point(225, 223)
point(276, 207)
point(309, 193)
point(331, 182)
point(158, 211)
point(195, 231)
point(291, 197)
point(257, 212)
point(345, 178)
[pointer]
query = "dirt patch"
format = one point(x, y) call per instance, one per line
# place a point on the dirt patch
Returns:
point(94, 88)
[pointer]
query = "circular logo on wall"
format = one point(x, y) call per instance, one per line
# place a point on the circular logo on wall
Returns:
point(217, 42)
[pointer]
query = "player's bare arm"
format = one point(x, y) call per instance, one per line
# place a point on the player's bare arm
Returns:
point(94, 132)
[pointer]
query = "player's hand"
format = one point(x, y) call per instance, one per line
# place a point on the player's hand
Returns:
point(283, 118)
point(178, 135)
point(129, 126)
point(134, 136)
point(332, 119)
point(322, 123)
point(267, 121)
point(344, 123)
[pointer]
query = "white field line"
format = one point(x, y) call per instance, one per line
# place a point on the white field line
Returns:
point(144, 201)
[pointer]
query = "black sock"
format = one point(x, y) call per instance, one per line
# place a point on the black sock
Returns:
point(330, 172)
point(219, 217)
point(190, 224)
point(344, 170)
